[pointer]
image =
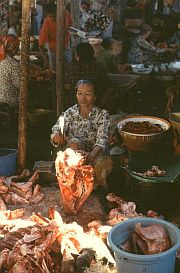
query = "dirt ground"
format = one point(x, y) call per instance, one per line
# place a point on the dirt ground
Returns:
point(92, 209)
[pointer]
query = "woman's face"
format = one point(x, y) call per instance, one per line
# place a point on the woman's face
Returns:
point(85, 95)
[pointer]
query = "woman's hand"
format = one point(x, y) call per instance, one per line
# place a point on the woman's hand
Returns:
point(58, 139)
point(90, 159)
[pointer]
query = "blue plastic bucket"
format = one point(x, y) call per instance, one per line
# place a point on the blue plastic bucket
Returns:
point(133, 263)
point(8, 159)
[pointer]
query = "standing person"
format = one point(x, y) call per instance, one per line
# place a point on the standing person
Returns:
point(84, 13)
point(106, 59)
point(87, 128)
point(38, 16)
point(48, 36)
point(85, 67)
point(9, 71)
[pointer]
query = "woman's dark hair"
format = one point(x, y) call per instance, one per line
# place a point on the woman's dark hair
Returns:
point(10, 43)
point(107, 42)
point(86, 81)
point(85, 52)
point(51, 8)
point(68, 7)
point(144, 28)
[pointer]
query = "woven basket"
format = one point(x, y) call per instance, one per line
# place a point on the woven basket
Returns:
point(143, 142)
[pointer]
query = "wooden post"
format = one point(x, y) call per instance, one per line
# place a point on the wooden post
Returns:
point(60, 55)
point(75, 12)
point(25, 45)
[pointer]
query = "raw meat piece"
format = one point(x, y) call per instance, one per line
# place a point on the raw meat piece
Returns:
point(4, 255)
point(26, 186)
point(12, 214)
point(39, 219)
point(3, 185)
point(122, 211)
point(18, 192)
point(16, 199)
point(154, 237)
point(2, 205)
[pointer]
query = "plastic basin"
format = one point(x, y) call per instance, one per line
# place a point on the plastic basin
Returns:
point(8, 159)
point(133, 263)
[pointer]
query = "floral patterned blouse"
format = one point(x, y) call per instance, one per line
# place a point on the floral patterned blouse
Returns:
point(91, 132)
point(97, 21)
point(9, 81)
point(140, 50)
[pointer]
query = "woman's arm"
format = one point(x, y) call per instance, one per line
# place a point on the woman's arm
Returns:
point(94, 154)
point(147, 46)
point(57, 137)
point(103, 129)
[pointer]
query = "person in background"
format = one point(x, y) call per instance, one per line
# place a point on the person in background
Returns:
point(106, 58)
point(84, 13)
point(95, 22)
point(140, 49)
point(174, 40)
point(86, 128)
point(14, 27)
point(9, 75)
point(84, 67)
point(48, 36)
point(39, 16)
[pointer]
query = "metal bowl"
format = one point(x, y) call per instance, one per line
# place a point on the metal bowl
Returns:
point(143, 142)
point(141, 69)
point(95, 40)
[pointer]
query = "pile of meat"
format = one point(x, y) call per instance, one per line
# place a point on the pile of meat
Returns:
point(75, 179)
point(15, 193)
point(147, 240)
point(45, 245)
point(121, 210)
point(141, 127)
point(153, 172)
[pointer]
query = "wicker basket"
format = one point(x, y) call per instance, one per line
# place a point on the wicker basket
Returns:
point(143, 142)
point(174, 118)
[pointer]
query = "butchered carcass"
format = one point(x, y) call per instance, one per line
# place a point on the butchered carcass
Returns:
point(75, 179)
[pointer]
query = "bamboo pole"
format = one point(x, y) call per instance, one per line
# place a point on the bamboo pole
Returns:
point(60, 55)
point(75, 12)
point(25, 50)
point(74, 5)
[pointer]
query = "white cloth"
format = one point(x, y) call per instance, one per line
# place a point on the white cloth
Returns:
point(11, 30)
